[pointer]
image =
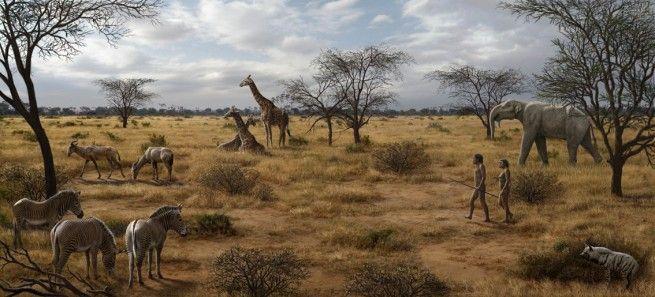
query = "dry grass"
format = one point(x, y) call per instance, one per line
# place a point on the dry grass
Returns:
point(335, 210)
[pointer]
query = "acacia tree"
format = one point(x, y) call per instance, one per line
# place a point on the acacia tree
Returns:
point(322, 100)
point(126, 95)
point(54, 28)
point(604, 65)
point(363, 77)
point(478, 90)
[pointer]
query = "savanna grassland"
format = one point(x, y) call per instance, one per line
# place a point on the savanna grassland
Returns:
point(327, 201)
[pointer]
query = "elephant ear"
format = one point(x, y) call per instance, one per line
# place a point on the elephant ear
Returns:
point(517, 106)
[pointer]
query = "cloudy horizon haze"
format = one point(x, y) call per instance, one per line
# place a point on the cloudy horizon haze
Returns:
point(200, 50)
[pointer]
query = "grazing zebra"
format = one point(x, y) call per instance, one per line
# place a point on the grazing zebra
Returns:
point(155, 155)
point(88, 235)
point(94, 153)
point(614, 262)
point(48, 212)
point(148, 235)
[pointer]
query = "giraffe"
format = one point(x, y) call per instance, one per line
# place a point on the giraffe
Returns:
point(248, 141)
point(235, 143)
point(271, 114)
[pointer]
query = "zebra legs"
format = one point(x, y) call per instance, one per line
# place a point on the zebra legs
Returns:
point(94, 262)
point(159, 248)
point(139, 263)
point(88, 264)
point(155, 174)
point(130, 257)
point(18, 242)
point(150, 264)
point(170, 171)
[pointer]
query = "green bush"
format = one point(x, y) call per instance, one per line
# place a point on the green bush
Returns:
point(5, 221)
point(400, 157)
point(399, 279)
point(18, 181)
point(154, 140)
point(214, 223)
point(117, 226)
point(535, 186)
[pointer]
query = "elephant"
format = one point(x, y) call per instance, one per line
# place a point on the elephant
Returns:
point(541, 121)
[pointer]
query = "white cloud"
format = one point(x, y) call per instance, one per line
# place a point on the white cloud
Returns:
point(380, 19)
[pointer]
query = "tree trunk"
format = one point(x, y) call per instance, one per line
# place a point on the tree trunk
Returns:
point(329, 126)
point(124, 118)
point(488, 127)
point(358, 138)
point(48, 160)
point(617, 175)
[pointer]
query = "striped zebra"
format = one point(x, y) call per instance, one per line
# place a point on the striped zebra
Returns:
point(88, 235)
point(47, 212)
point(148, 235)
point(614, 262)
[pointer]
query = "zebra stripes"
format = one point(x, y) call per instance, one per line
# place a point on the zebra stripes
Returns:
point(48, 212)
point(613, 261)
point(148, 235)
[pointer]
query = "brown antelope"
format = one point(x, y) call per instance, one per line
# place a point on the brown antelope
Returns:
point(93, 153)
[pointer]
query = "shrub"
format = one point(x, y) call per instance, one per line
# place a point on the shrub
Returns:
point(80, 135)
point(231, 179)
point(145, 124)
point(68, 124)
point(263, 192)
point(383, 239)
point(400, 157)
point(230, 126)
point(298, 141)
point(19, 182)
point(117, 226)
point(113, 137)
point(135, 123)
point(355, 148)
point(154, 140)
point(404, 279)
point(5, 221)
point(534, 186)
point(438, 126)
point(214, 223)
point(563, 263)
point(253, 272)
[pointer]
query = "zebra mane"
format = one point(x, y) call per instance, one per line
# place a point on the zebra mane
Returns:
point(106, 228)
point(163, 210)
point(63, 194)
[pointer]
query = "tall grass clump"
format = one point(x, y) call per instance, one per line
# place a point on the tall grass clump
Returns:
point(256, 273)
point(213, 223)
point(232, 179)
point(535, 186)
point(113, 137)
point(80, 135)
point(400, 157)
point(298, 141)
point(404, 279)
point(438, 127)
point(154, 140)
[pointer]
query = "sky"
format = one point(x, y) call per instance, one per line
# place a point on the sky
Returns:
point(199, 50)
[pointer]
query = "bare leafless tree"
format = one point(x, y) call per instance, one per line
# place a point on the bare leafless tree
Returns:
point(478, 90)
point(363, 77)
point(39, 281)
point(54, 28)
point(604, 65)
point(125, 95)
point(321, 99)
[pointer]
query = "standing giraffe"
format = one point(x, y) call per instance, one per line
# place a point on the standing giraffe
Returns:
point(271, 114)
point(248, 141)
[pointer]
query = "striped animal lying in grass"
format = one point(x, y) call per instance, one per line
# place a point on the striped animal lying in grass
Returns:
point(614, 262)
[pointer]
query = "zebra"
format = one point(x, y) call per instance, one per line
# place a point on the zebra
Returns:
point(48, 212)
point(93, 153)
point(614, 262)
point(88, 235)
point(148, 235)
point(155, 155)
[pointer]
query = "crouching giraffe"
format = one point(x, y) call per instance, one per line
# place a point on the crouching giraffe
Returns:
point(147, 235)
point(93, 153)
point(48, 212)
point(235, 143)
point(248, 141)
point(90, 236)
point(155, 155)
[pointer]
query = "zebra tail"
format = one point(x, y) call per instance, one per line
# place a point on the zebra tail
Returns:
point(55, 243)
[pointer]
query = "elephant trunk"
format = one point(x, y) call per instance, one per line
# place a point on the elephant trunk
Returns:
point(493, 121)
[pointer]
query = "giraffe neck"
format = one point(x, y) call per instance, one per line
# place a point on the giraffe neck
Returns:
point(264, 103)
point(242, 129)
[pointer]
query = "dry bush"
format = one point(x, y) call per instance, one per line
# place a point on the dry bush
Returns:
point(534, 186)
point(18, 181)
point(298, 141)
point(400, 157)
point(154, 140)
point(438, 126)
point(394, 280)
point(563, 263)
point(263, 192)
point(352, 196)
point(231, 179)
point(214, 223)
point(255, 273)
point(385, 239)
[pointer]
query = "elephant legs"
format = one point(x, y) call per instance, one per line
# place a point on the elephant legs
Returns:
point(526, 145)
point(540, 141)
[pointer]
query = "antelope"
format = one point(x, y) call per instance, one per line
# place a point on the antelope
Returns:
point(155, 155)
point(93, 153)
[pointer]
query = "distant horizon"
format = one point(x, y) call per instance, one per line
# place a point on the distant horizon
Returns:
point(201, 49)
